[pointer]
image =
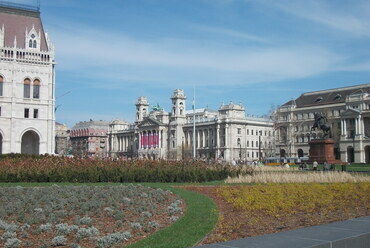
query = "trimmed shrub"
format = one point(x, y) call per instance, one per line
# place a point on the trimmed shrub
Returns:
point(45, 168)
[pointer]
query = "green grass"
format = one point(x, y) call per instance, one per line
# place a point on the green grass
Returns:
point(199, 219)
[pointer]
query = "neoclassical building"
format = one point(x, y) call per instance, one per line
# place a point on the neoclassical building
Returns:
point(348, 112)
point(27, 82)
point(89, 139)
point(224, 134)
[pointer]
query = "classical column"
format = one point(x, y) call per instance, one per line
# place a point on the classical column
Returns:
point(226, 135)
point(217, 143)
point(345, 127)
point(363, 125)
point(356, 126)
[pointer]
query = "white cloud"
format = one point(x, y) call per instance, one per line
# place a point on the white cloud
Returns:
point(82, 48)
point(231, 33)
point(354, 17)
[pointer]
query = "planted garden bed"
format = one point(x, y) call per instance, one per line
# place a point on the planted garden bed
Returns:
point(84, 216)
point(21, 168)
point(246, 211)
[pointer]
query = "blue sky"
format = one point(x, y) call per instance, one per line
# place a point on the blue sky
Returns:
point(261, 53)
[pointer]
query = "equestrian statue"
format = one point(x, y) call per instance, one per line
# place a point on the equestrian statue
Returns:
point(321, 122)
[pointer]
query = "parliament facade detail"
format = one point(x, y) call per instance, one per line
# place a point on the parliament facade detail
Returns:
point(27, 83)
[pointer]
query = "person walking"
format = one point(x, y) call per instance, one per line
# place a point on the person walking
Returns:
point(314, 165)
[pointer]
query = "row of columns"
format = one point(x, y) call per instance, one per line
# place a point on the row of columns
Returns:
point(203, 138)
point(150, 139)
point(359, 126)
point(123, 143)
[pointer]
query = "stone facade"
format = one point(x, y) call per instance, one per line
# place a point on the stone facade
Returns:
point(27, 83)
point(62, 139)
point(348, 112)
point(225, 134)
point(89, 138)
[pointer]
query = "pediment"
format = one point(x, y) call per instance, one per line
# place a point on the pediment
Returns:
point(149, 122)
point(350, 113)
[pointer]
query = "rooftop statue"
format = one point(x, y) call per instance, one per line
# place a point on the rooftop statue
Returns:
point(321, 122)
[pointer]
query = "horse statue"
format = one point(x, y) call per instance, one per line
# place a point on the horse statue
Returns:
point(321, 123)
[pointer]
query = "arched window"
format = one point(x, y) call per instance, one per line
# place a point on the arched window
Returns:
point(34, 44)
point(30, 43)
point(238, 142)
point(36, 89)
point(27, 88)
point(1, 85)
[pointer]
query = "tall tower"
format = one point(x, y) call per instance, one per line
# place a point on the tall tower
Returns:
point(142, 106)
point(178, 111)
point(178, 119)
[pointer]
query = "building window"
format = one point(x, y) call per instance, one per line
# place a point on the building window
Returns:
point(247, 143)
point(0, 111)
point(34, 44)
point(30, 43)
point(35, 113)
point(27, 88)
point(252, 131)
point(239, 131)
point(1, 85)
point(248, 129)
point(252, 144)
point(36, 89)
point(238, 142)
point(26, 113)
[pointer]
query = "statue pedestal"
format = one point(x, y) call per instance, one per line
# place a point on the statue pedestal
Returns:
point(322, 150)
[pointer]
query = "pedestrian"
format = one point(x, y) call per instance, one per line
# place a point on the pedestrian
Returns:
point(314, 165)
point(326, 166)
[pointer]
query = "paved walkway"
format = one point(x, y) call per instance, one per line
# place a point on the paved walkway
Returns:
point(353, 233)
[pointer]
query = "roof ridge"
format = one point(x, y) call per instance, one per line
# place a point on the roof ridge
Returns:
point(336, 89)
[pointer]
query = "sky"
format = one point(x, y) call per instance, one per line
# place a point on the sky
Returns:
point(260, 53)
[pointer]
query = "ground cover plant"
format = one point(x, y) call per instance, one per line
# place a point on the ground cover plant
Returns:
point(20, 168)
point(84, 216)
point(250, 210)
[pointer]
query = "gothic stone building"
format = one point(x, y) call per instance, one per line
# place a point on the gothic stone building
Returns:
point(88, 139)
point(224, 134)
point(348, 113)
point(27, 82)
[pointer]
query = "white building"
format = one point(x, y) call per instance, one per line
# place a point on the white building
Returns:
point(224, 134)
point(348, 112)
point(27, 82)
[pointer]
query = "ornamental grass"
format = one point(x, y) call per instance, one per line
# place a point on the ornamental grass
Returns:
point(44, 168)
point(298, 177)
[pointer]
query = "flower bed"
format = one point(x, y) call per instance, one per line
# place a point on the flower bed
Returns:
point(246, 211)
point(83, 216)
point(20, 168)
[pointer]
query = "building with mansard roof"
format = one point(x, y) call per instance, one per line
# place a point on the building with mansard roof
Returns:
point(226, 134)
point(348, 112)
point(89, 138)
point(27, 82)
